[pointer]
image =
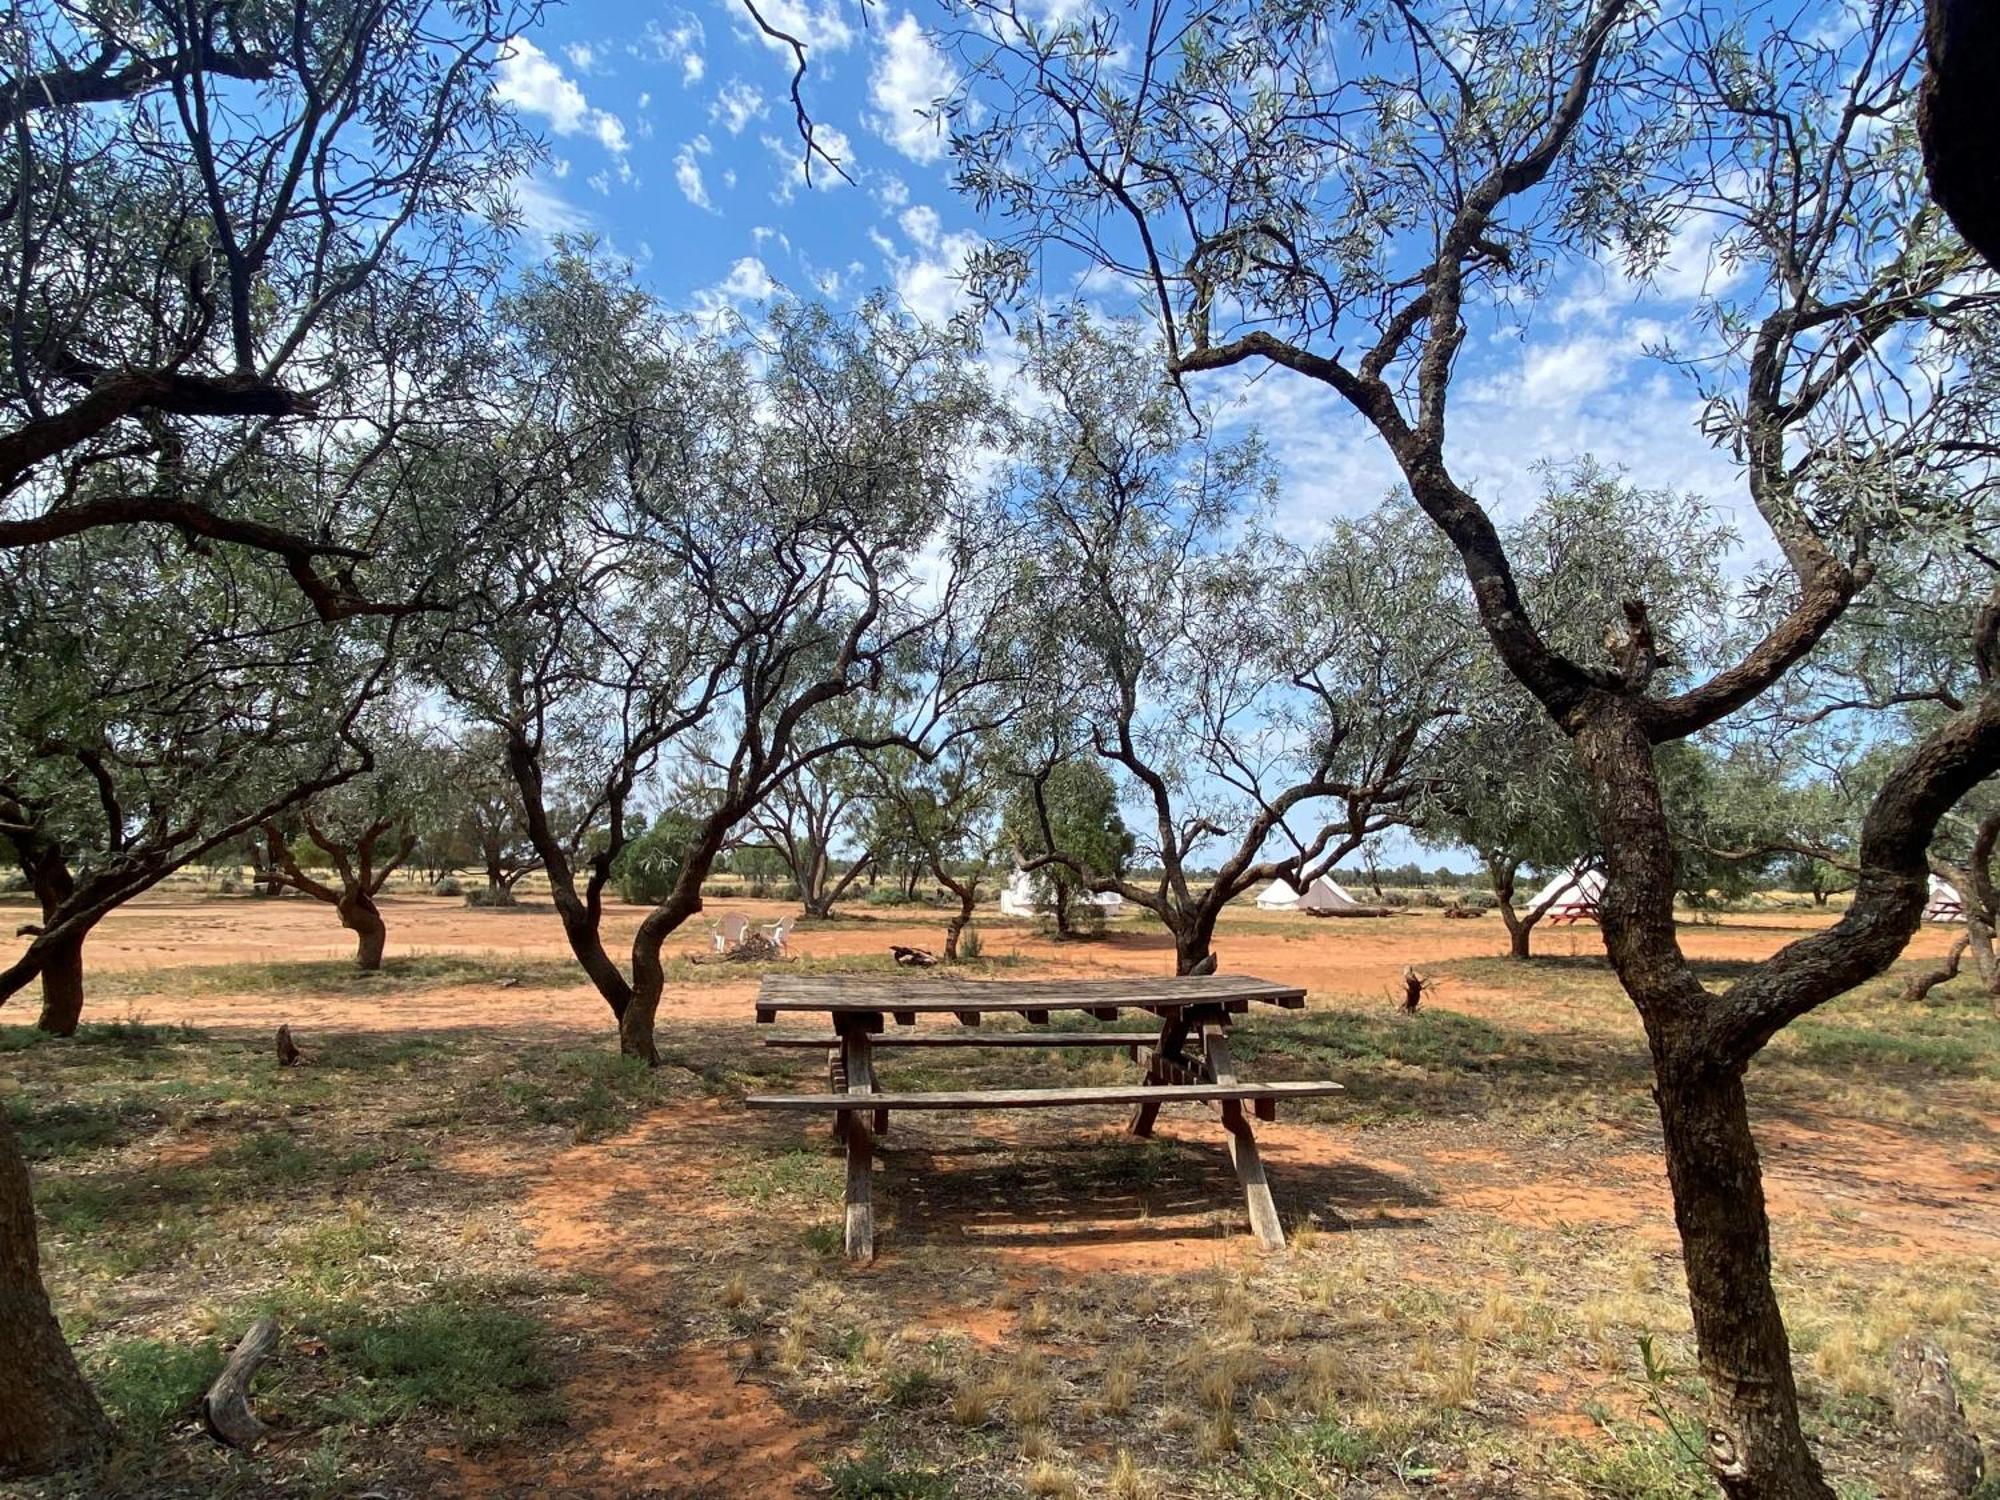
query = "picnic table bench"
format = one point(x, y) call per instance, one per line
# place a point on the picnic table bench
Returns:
point(1187, 1060)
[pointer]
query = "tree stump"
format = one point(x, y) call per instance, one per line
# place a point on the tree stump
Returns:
point(912, 958)
point(1944, 1461)
point(225, 1410)
point(289, 1055)
point(1414, 985)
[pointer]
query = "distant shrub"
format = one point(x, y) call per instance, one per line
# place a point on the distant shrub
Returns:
point(450, 885)
point(648, 868)
point(970, 944)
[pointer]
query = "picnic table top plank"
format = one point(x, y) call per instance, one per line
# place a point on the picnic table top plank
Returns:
point(969, 1099)
point(873, 994)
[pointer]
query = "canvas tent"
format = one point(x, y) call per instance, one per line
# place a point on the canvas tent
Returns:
point(1324, 894)
point(1572, 896)
point(1945, 904)
point(1029, 895)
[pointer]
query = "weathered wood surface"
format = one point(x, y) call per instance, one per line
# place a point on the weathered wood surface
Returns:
point(984, 1039)
point(855, 1053)
point(879, 994)
point(225, 1410)
point(1137, 1093)
point(1243, 1153)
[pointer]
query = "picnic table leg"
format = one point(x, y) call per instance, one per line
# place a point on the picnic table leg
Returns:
point(1243, 1153)
point(856, 1056)
point(1173, 1032)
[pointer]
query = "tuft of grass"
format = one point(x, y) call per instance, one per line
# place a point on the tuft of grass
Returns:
point(797, 1176)
point(1127, 1481)
point(874, 1476)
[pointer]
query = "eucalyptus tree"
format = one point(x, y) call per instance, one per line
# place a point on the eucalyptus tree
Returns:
point(1351, 194)
point(1268, 708)
point(488, 818)
point(226, 226)
point(361, 832)
point(801, 819)
point(157, 707)
point(946, 813)
point(711, 541)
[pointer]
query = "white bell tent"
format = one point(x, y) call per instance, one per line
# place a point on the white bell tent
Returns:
point(1945, 904)
point(1031, 894)
point(1573, 896)
point(1324, 894)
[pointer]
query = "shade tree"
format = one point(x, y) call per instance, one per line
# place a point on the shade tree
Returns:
point(358, 834)
point(711, 539)
point(1277, 204)
point(944, 814)
point(1266, 708)
point(1063, 826)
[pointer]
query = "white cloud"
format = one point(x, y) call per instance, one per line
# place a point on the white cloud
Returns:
point(821, 27)
point(680, 43)
point(530, 80)
point(687, 172)
point(582, 56)
point(920, 223)
point(748, 281)
point(736, 104)
point(544, 212)
point(891, 191)
point(790, 152)
point(908, 78)
point(932, 285)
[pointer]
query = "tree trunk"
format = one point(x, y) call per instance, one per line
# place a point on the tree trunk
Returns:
point(1756, 1449)
point(1193, 942)
point(635, 1026)
point(1060, 892)
point(49, 1417)
point(62, 988)
point(960, 920)
point(359, 914)
point(1755, 1446)
point(1519, 928)
point(62, 970)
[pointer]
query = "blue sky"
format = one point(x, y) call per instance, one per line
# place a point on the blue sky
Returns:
point(673, 139)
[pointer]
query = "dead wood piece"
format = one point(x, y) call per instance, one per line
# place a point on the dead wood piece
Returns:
point(1414, 987)
point(289, 1055)
point(1455, 912)
point(913, 958)
point(28, 929)
point(1355, 911)
point(754, 948)
point(225, 1410)
point(1203, 965)
point(1943, 1457)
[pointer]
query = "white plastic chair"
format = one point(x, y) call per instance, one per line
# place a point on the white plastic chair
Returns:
point(780, 930)
point(715, 936)
point(729, 932)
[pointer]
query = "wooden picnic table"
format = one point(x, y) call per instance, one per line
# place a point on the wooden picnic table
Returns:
point(1187, 1059)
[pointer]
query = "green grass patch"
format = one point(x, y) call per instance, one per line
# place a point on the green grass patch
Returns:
point(151, 1385)
point(796, 1176)
point(481, 1366)
point(875, 1476)
point(592, 1091)
point(334, 976)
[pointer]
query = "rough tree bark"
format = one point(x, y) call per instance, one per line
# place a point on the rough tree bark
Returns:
point(1520, 929)
point(49, 1418)
point(1958, 117)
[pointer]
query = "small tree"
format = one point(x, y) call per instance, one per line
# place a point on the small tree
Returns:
point(947, 814)
point(1063, 823)
point(365, 830)
point(802, 818)
point(709, 541)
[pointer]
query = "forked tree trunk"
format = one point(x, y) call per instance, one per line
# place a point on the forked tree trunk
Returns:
point(360, 915)
point(1756, 1448)
point(49, 1417)
point(1519, 928)
point(961, 919)
point(1194, 940)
